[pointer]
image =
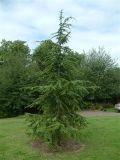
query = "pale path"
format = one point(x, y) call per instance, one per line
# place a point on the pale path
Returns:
point(99, 113)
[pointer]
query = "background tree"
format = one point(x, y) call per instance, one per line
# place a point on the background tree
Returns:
point(13, 75)
point(102, 71)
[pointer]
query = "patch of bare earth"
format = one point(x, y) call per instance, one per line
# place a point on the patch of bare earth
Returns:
point(66, 146)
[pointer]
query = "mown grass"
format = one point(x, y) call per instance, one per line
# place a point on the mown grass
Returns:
point(111, 109)
point(101, 137)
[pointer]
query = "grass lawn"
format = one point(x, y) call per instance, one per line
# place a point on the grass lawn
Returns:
point(111, 110)
point(101, 137)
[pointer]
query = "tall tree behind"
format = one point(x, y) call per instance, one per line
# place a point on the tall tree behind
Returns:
point(15, 57)
point(101, 70)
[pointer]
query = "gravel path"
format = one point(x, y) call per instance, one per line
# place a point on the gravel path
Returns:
point(99, 113)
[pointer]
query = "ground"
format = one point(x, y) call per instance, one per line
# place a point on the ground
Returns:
point(99, 113)
point(100, 138)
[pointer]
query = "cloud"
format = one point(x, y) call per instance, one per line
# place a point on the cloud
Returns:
point(96, 22)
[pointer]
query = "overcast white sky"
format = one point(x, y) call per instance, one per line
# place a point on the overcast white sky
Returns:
point(97, 22)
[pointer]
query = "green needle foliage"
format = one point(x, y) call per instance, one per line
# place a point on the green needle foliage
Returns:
point(60, 95)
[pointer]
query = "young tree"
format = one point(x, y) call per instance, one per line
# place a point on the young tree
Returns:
point(61, 93)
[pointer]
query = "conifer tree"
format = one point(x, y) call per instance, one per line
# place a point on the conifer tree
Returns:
point(61, 94)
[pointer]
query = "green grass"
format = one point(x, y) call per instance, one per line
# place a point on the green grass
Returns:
point(101, 137)
point(110, 110)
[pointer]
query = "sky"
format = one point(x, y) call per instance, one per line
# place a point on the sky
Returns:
point(96, 23)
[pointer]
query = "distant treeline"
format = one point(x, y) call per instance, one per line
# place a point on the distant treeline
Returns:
point(21, 71)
